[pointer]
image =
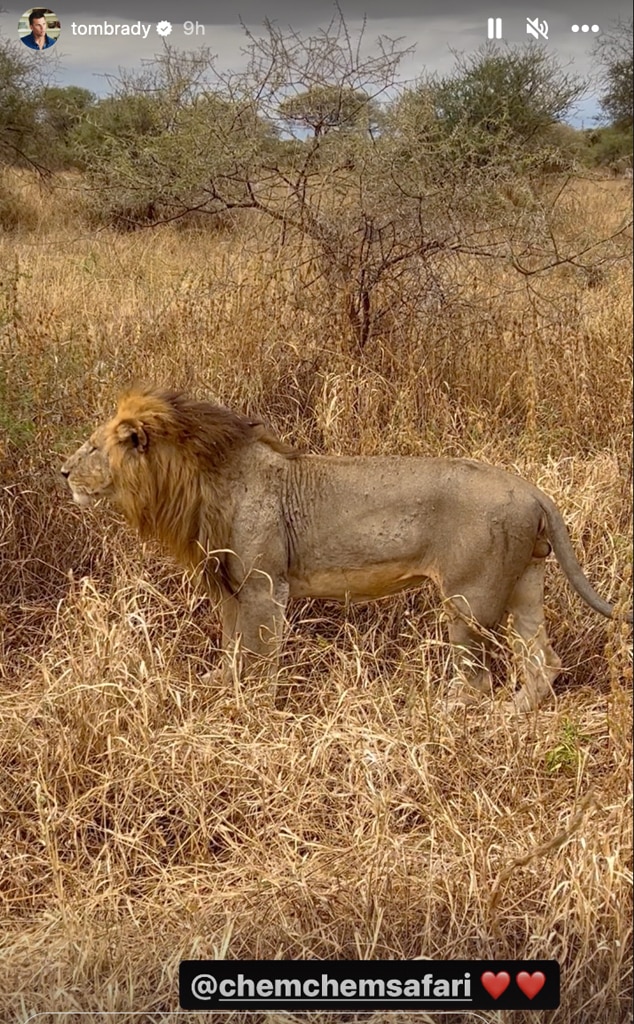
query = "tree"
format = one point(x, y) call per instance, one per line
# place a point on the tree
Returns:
point(117, 123)
point(19, 82)
point(615, 53)
point(495, 107)
point(59, 113)
point(37, 120)
point(154, 148)
point(324, 108)
point(61, 109)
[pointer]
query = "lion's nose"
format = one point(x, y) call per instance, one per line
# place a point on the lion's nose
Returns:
point(65, 472)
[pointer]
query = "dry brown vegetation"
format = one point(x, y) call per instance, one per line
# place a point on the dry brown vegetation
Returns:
point(146, 817)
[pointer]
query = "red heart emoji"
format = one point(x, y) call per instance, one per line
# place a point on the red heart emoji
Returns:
point(496, 984)
point(531, 984)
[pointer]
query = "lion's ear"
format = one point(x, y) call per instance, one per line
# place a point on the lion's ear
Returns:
point(132, 434)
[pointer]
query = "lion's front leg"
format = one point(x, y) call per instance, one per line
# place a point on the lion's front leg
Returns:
point(253, 624)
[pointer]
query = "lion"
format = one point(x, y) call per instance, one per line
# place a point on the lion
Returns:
point(265, 524)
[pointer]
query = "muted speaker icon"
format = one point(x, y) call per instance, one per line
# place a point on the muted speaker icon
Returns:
point(537, 28)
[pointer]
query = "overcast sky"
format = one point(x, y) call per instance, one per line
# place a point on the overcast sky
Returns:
point(445, 25)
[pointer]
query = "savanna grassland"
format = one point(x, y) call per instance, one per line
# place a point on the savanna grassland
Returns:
point(146, 816)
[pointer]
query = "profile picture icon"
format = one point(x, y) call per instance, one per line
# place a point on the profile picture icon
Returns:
point(39, 28)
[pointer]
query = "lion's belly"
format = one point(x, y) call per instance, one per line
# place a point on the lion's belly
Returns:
point(360, 584)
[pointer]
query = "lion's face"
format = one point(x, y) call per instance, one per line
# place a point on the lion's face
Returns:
point(114, 463)
point(127, 458)
point(88, 471)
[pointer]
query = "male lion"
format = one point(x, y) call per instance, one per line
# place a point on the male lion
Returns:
point(264, 524)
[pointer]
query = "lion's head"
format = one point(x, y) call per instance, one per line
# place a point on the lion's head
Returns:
point(161, 459)
point(88, 470)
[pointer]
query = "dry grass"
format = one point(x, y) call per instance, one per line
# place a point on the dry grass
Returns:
point(146, 817)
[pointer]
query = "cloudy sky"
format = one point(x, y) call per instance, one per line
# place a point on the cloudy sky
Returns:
point(434, 27)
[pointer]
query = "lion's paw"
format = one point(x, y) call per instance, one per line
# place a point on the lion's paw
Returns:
point(215, 677)
point(461, 702)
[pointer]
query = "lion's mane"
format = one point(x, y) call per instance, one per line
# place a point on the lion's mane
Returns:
point(179, 492)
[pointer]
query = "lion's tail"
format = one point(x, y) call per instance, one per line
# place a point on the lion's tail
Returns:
point(562, 546)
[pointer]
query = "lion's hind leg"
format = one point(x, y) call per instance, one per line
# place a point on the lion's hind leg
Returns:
point(472, 674)
point(538, 662)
